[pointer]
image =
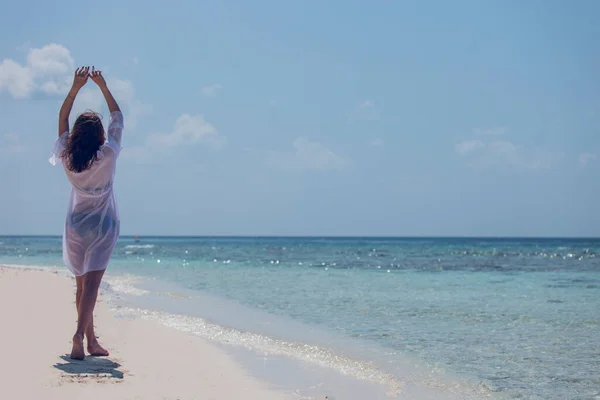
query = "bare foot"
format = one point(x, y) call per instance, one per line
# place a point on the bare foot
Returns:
point(77, 353)
point(96, 350)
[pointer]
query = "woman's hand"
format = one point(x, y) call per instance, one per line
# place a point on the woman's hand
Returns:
point(79, 80)
point(98, 78)
point(81, 77)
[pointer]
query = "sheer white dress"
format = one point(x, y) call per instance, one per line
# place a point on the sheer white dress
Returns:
point(92, 224)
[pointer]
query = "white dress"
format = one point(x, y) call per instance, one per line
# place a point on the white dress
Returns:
point(92, 223)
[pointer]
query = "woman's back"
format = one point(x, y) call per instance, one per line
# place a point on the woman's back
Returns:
point(98, 178)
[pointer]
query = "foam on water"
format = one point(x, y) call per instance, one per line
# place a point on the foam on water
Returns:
point(311, 354)
point(125, 284)
point(139, 246)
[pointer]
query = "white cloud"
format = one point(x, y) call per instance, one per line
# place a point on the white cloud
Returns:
point(377, 142)
point(467, 146)
point(46, 69)
point(188, 129)
point(307, 155)
point(16, 79)
point(57, 85)
point(53, 59)
point(49, 69)
point(505, 153)
point(51, 87)
point(211, 90)
point(586, 158)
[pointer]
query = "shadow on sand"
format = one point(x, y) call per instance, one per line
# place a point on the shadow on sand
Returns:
point(94, 366)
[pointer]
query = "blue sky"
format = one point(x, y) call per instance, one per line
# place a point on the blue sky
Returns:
point(313, 117)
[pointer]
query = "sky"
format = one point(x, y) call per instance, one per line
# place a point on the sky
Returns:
point(406, 118)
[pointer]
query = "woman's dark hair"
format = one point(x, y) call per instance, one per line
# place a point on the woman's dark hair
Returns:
point(85, 140)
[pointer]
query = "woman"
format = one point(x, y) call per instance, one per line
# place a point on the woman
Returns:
point(92, 224)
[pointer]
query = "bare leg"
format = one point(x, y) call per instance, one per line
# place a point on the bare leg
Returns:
point(93, 347)
point(88, 294)
point(79, 280)
point(77, 351)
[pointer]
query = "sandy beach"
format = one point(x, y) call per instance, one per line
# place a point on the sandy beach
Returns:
point(147, 360)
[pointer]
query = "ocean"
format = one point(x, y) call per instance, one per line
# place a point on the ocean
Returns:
point(473, 317)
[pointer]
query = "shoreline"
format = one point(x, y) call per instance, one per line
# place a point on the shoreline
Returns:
point(279, 368)
point(147, 360)
point(333, 237)
point(210, 368)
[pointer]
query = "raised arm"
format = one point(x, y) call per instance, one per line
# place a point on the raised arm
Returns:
point(79, 80)
point(99, 80)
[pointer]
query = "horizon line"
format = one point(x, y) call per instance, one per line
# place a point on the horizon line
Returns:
point(224, 236)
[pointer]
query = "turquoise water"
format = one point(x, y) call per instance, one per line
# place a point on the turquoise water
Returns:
point(520, 317)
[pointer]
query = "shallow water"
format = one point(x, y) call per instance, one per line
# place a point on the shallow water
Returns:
point(517, 316)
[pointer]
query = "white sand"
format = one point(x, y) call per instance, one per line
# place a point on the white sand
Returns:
point(147, 360)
